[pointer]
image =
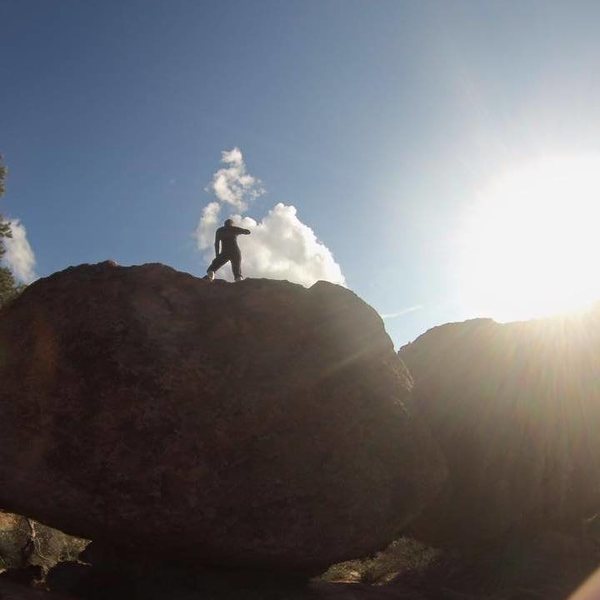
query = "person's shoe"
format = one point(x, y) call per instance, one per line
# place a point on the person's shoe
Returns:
point(210, 275)
point(240, 278)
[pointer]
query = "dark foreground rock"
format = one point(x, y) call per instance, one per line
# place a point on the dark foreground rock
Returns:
point(109, 576)
point(516, 409)
point(14, 591)
point(548, 565)
point(257, 424)
point(317, 591)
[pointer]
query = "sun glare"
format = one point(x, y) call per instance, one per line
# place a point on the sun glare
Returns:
point(531, 242)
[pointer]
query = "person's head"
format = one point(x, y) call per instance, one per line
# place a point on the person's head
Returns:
point(229, 223)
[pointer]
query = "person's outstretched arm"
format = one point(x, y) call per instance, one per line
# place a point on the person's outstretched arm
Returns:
point(217, 240)
point(241, 231)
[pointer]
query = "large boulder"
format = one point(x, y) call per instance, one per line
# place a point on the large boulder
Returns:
point(516, 410)
point(255, 424)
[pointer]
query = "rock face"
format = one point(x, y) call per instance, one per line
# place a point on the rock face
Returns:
point(254, 424)
point(516, 410)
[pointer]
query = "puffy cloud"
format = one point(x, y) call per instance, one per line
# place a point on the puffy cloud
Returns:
point(280, 246)
point(232, 184)
point(205, 232)
point(19, 257)
point(233, 157)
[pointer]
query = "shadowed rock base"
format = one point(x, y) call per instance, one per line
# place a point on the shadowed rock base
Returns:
point(15, 591)
point(313, 591)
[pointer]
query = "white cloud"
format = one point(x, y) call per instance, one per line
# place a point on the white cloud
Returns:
point(280, 246)
point(233, 157)
point(205, 232)
point(19, 257)
point(400, 313)
point(232, 184)
point(283, 247)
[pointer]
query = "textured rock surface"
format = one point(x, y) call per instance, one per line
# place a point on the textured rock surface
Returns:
point(516, 409)
point(24, 542)
point(14, 538)
point(257, 424)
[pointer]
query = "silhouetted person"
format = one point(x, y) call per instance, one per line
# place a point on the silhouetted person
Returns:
point(226, 238)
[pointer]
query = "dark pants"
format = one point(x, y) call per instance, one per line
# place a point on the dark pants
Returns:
point(236, 262)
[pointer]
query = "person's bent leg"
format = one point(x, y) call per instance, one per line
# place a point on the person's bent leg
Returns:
point(236, 266)
point(217, 263)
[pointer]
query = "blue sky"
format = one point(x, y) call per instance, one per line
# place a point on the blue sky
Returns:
point(378, 120)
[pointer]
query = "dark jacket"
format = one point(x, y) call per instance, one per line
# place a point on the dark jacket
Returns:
point(227, 237)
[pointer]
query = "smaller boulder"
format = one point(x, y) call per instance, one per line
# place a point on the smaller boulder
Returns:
point(516, 410)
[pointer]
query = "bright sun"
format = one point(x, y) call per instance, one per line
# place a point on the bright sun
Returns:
point(531, 243)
